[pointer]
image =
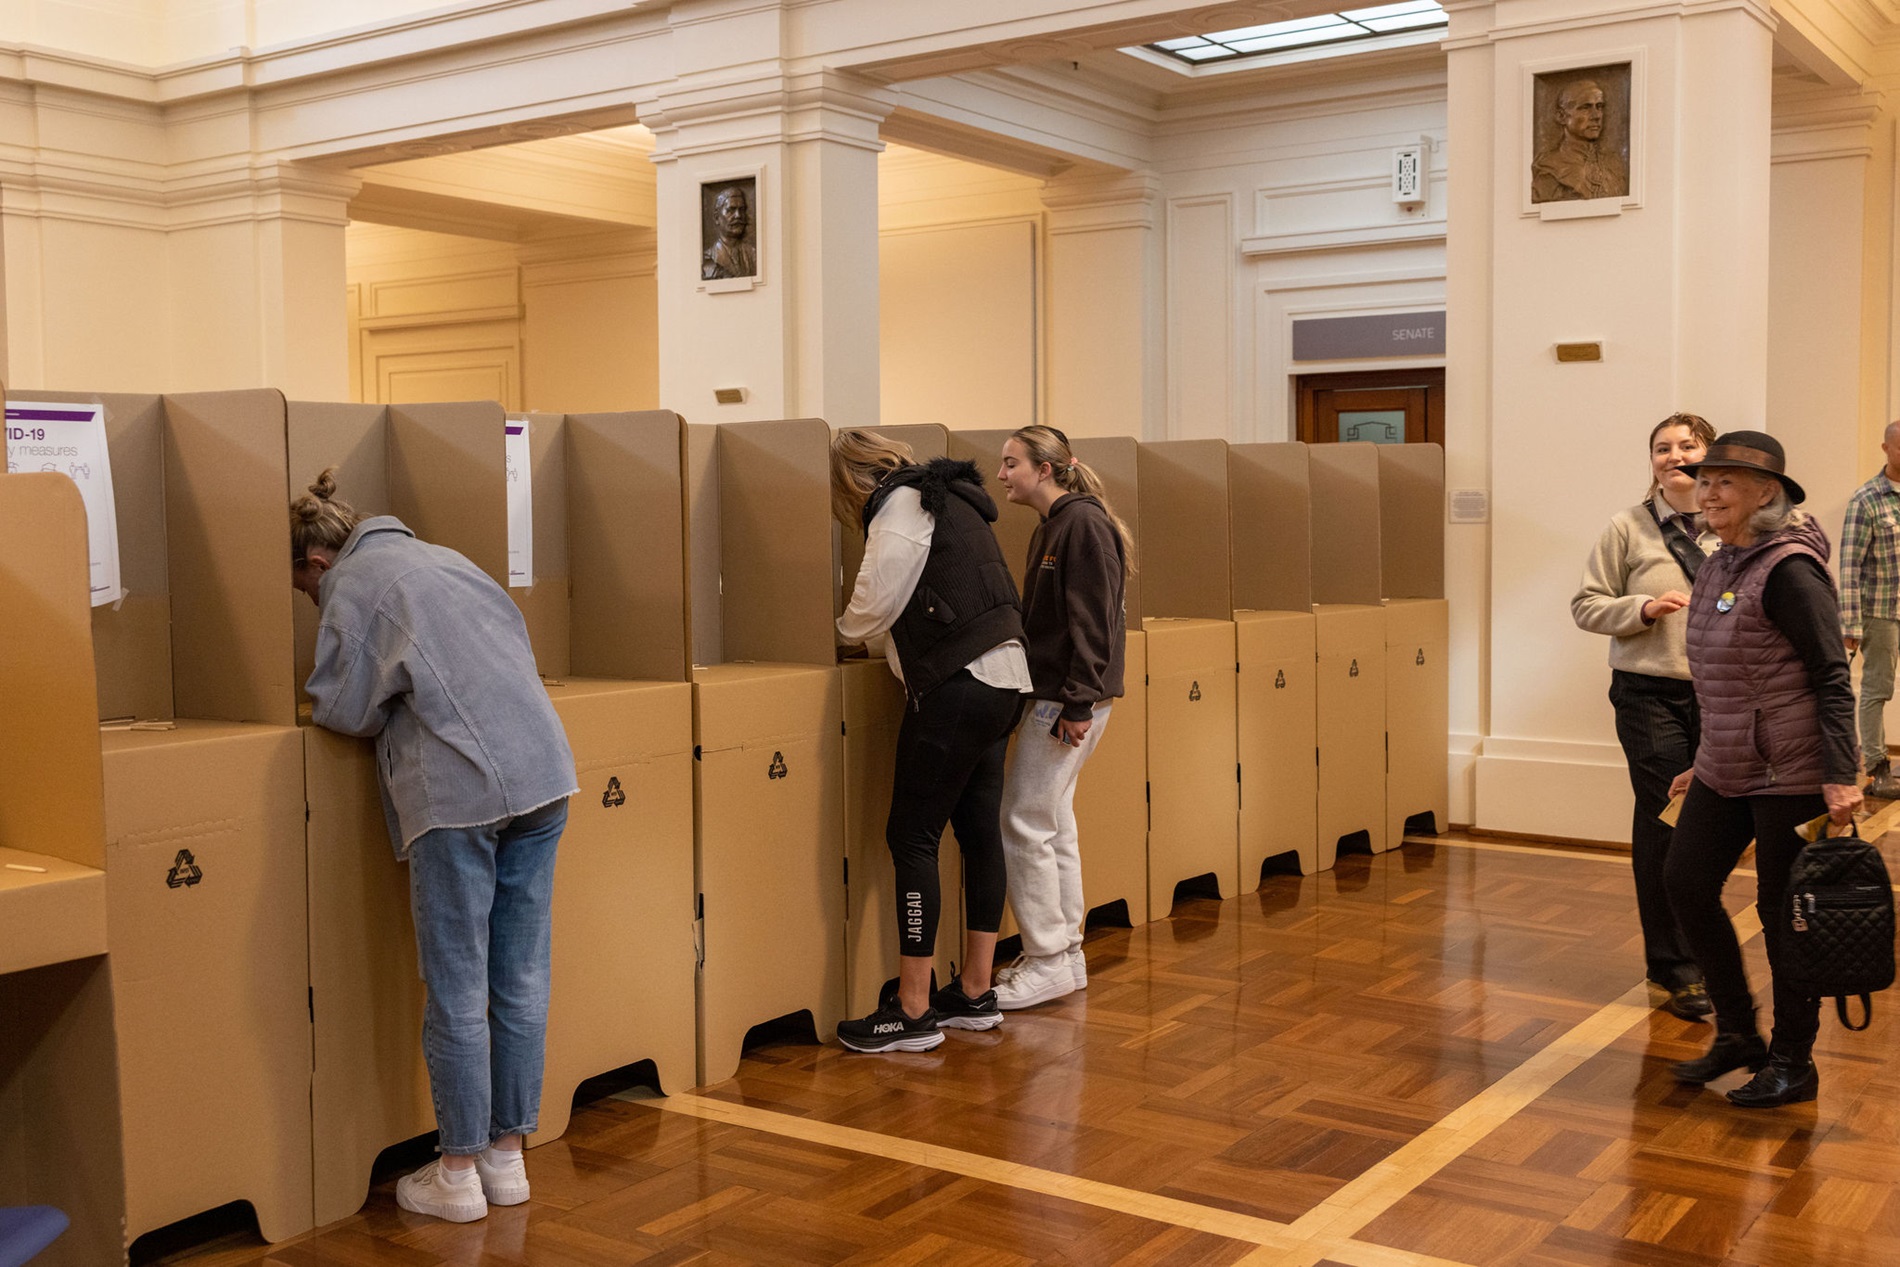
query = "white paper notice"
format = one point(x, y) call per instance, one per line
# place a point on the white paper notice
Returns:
point(520, 506)
point(71, 440)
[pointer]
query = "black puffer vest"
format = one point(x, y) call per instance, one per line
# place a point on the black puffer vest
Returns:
point(965, 602)
point(1761, 729)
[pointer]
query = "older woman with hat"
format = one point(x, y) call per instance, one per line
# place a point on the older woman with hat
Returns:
point(1777, 749)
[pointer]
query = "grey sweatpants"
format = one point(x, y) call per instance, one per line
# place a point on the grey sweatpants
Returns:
point(1040, 846)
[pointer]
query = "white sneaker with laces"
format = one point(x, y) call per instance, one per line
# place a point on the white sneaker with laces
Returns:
point(1079, 967)
point(454, 1195)
point(504, 1176)
point(1040, 979)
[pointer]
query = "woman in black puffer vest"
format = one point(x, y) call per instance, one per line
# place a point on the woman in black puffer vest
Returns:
point(1778, 749)
point(934, 586)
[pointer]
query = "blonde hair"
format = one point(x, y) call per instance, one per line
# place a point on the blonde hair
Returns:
point(860, 461)
point(1046, 444)
point(318, 520)
point(1699, 428)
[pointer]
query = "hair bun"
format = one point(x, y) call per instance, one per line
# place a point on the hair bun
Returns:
point(325, 487)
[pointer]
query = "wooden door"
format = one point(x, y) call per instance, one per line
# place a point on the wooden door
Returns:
point(1384, 407)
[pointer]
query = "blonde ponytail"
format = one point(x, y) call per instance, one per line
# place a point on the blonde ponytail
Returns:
point(1046, 444)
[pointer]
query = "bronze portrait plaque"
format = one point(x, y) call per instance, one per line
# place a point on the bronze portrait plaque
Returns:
point(729, 229)
point(1580, 134)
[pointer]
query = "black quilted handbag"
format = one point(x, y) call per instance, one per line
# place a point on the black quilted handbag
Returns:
point(1840, 929)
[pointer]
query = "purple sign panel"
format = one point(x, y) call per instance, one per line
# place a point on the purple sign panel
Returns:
point(1352, 338)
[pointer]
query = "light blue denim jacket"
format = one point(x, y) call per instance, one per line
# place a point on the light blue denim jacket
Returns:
point(420, 648)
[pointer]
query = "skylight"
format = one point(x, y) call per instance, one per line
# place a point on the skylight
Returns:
point(1324, 28)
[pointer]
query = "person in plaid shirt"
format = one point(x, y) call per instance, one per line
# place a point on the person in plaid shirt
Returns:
point(1870, 595)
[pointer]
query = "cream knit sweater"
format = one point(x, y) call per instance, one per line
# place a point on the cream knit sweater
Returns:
point(1631, 565)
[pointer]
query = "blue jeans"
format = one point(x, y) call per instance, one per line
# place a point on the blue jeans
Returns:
point(482, 901)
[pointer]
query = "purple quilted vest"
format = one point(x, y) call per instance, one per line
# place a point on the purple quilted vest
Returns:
point(1761, 731)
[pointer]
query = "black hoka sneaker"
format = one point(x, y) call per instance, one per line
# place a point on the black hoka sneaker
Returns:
point(888, 1029)
point(957, 1010)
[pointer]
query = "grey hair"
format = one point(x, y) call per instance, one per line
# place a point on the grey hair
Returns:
point(1779, 513)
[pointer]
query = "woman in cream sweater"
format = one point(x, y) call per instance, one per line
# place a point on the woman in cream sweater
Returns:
point(1635, 586)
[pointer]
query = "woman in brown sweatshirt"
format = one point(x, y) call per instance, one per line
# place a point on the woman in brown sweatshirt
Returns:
point(1075, 625)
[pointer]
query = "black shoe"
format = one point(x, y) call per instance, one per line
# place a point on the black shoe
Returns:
point(1728, 1053)
point(888, 1029)
point(957, 1010)
point(1781, 1081)
point(1883, 788)
point(1689, 1002)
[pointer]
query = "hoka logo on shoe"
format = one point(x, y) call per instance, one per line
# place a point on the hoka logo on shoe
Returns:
point(888, 1027)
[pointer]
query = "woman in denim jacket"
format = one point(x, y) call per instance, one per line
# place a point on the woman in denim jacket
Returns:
point(420, 649)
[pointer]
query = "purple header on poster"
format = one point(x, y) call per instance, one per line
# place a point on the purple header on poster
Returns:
point(517, 428)
point(1350, 338)
point(80, 413)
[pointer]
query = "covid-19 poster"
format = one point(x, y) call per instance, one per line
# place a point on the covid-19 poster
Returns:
point(70, 440)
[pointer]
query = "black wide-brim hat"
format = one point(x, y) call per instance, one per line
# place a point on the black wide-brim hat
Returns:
point(1753, 451)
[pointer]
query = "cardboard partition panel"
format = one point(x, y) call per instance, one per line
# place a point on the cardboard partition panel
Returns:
point(205, 625)
point(626, 546)
point(1185, 562)
point(544, 604)
point(1346, 531)
point(205, 871)
point(59, 1083)
point(768, 800)
point(1418, 714)
point(1015, 525)
point(1350, 701)
point(1412, 520)
point(1114, 461)
point(369, 1087)
point(354, 440)
point(622, 988)
point(59, 1104)
point(1278, 739)
point(1270, 507)
point(1193, 791)
point(873, 702)
point(1111, 799)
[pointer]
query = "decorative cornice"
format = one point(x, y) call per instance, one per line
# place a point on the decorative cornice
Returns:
point(1493, 32)
point(773, 107)
point(1409, 234)
point(240, 191)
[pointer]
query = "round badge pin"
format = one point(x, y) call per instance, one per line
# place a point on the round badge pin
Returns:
point(1726, 602)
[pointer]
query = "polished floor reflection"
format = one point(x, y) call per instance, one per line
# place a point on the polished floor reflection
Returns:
point(1443, 1054)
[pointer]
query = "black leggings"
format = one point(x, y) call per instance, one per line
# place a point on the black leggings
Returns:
point(1710, 837)
point(950, 756)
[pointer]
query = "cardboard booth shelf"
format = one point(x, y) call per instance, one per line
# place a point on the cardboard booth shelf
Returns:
point(1418, 713)
point(1351, 710)
point(1193, 786)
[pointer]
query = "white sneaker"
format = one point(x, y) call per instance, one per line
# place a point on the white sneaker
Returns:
point(504, 1176)
point(1034, 979)
point(455, 1195)
point(1079, 968)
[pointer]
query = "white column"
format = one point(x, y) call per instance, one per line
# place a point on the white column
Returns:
point(1104, 307)
point(800, 338)
point(1671, 280)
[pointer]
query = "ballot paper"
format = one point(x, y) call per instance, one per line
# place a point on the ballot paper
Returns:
point(70, 440)
point(520, 504)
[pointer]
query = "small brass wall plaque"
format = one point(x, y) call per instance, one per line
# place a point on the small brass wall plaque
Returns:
point(1579, 351)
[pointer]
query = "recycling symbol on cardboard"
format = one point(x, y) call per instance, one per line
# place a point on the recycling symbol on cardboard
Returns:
point(1279, 680)
point(1421, 656)
point(777, 769)
point(614, 797)
point(1194, 691)
point(1354, 670)
point(184, 872)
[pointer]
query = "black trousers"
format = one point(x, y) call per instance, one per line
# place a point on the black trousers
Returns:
point(1710, 837)
point(950, 755)
point(1659, 725)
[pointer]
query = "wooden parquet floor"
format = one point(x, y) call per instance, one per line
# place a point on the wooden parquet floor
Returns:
point(1439, 1055)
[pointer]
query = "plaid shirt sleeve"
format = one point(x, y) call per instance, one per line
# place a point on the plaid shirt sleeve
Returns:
point(1870, 567)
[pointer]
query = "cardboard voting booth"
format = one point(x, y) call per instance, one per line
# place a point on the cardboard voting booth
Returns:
point(767, 722)
point(1349, 625)
point(59, 1086)
point(1270, 494)
point(204, 848)
point(1187, 607)
point(874, 704)
point(604, 609)
point(1418, 684)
